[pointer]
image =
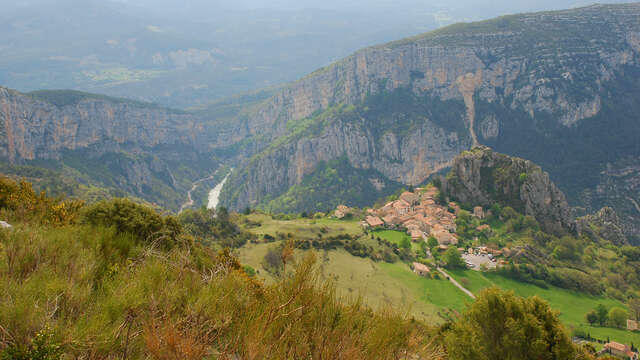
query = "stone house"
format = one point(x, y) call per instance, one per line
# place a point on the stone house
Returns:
point(401, 207)
point(410, 198)
point(421, 269)
point(374, 221)
point(341, 211)
point(619, 350)
point(416, 235)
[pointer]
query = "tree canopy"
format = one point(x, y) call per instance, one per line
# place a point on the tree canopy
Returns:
point(502, 326)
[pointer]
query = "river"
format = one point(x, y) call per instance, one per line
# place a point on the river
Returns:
point(214, 194)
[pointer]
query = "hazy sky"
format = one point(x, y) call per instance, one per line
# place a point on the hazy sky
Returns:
point(187, 52)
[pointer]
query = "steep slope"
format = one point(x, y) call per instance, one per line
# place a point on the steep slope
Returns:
point(129, 147)
point(558, 88)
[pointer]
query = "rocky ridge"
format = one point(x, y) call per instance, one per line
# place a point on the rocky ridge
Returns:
point(122, 146)
point(605, 224)
point(524, 59)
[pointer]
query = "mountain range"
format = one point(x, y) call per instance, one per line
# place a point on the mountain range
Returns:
point(559, 88)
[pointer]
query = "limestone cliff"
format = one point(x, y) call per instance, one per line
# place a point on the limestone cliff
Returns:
point(122, 147)
point(521, 84)
point(33, 129)
point(604, 224)
point(404, 159)
point(484, 177)
point(527, 60)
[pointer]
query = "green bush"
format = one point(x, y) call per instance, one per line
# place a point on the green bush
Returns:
point(146, 225)
point(575, 280)
point(214, 227)
point(42, 347)
point(453, 259)
point(500, 325)
point(618, 317)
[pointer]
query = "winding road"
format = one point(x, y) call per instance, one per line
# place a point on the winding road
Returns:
point(189, 201)
point(457, 284)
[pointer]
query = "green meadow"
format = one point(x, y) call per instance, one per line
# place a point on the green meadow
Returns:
point(571, 305)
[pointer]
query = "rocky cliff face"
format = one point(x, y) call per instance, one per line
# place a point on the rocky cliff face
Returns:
point(604, 224)
point(405, 159)
point(33, 129)
point(527, 60)
point(618, 187)
point(483, 177)
point(542, 76)
point(119, 146)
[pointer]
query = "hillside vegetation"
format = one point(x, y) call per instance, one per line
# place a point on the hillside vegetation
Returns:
point(118, 280)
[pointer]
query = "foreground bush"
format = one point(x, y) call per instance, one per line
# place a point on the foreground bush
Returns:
point(141, 221)
point(19, 202)
point(502, 326)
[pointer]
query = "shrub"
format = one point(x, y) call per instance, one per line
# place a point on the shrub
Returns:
point(211, 226)
point(42, 347)
point(618, 317)
point(508, 327)
point(405, 243)
point(575, 280)
point(128, 217)
point(27, 205)
point(591, 317)
point(272, 261)
point(452, 259)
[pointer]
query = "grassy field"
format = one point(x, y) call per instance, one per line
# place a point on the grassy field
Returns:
point(385, 284)
point(440, 293)
point(396, 237)
point(572, 305)
point(303, 228)
point(379, 284)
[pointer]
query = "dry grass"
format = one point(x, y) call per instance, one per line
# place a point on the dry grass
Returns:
point(105, 297)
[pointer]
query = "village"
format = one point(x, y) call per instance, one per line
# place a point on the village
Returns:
point(422, 217)
point(419, 214)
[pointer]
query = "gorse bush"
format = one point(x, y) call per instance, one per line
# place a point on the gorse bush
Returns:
point(24, 204)
point(42, 347)
point(183, 304)
point(128, 217)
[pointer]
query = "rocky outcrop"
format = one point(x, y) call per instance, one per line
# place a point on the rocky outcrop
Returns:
point(33, 129)
point(604, 224)
point(483, 177)
point(618, 187)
